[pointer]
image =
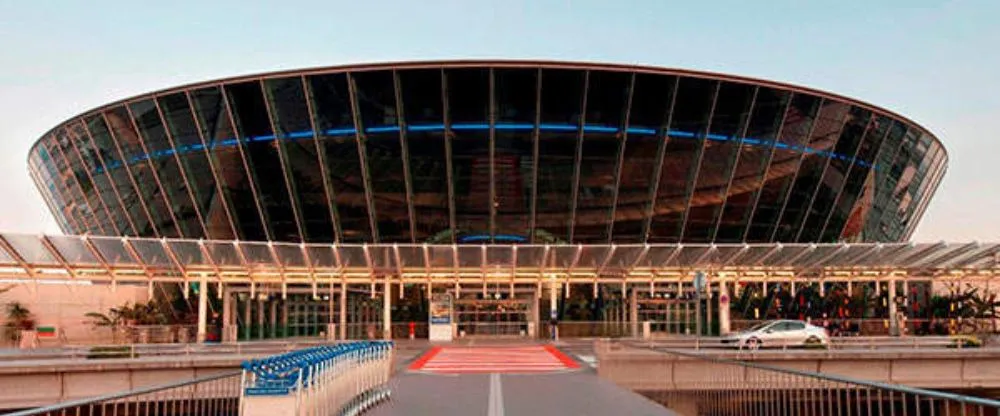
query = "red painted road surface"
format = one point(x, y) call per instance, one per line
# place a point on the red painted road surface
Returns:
point(494, 359)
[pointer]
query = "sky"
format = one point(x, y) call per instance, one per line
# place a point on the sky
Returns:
point(936, 62)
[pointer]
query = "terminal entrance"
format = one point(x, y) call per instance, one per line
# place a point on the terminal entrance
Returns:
point(496, 315)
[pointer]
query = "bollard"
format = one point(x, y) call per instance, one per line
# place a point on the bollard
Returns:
point(413, 330)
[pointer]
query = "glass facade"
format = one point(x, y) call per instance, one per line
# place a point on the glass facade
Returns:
point(491, 153)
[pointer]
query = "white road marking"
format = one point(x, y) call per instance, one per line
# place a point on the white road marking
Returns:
point(496, 396)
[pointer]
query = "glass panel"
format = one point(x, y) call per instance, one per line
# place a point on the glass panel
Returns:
point(80, 180)
point(624, 257)
point(607, 99)
point(113, 251)
point(809, 260)
point(561, 112)
point(854, 185)
point(6, 258)
point(339, 147)
point(516, 92)
point(783, 163)
point(257, 253)
point(829, 124)
point(223, 254)
point(593, 257)
point(530, 256)
point(195, 161)
point(353, 256)
point(187, 252)
point(726, 130)
point(103, 186)
point(782, 257)
point(769, 110)
point(688, 256)
point(220, 138)
point(383, 258)
point(442, 257)
point(73, 250)
point(500, 256)
point(651, 98)
point(880, 188)
point(470, 256)
point(162, 159)
point(151, 253)
point(103, 148)
point(137, 162)
point(289, 255)
point(412, 256)
point(423, 111)
point(40, 175)
point(562, 257)
point(688, 128)
point(246, 100)
point(64, 183)
point(756, 254)
point(30, 248)
point(377, 104)
point(321, 256)
point(468, 107)
point(656, 256)
point(834, 176)
point(295, 136)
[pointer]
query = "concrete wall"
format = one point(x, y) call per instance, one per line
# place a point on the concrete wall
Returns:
point(64, 306)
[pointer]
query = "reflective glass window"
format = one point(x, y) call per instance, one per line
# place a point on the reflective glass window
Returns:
point(101, 179)
point(162, 158)
point(651, 100)
point(295, 134)
point(135, 161)
point(688, 128)
point(103, 148)
point(220, 139)
point(82, 176)
point(331, 102)
point(755, 151)
point(468, 93)
point(876, 192)
point(376, 95)
point(782, 165)
point(70, 185)
point(558, 143)
point(423, 110)
point(856, 184)
point(263, 157)
point(194, 158)
point(835, 174)
point(719, 152)
point(607, 102)
point(516, 94)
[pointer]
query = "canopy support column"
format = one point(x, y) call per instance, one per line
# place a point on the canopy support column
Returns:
point(387, 310)
point(202, 308)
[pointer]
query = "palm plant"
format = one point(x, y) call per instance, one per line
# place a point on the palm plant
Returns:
point(19, 318)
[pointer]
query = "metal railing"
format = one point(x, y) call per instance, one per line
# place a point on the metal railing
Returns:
point(835, 343)
point(731, 387)
point(337, 379)
point(217, 395)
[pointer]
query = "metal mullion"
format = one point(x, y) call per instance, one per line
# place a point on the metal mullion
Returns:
point(204, 253)
point(243, 260)
point(532, 221)
point(405, 152)
point(85, 241)
point(654, 188)
point(331, 195)
point(448, 159)
point(767, 166)
point(76, 149)
point(283, 275)
point(854, 160)
point(71, 140)
point(286, 173)
point(892, 161)
point(932, 175)
point(736, 164)
point(939, 173)
point(826, 167)
point(18, 258)
point(79, 188)
point(363, 156)
point(693, 181)
point(575, 192)
point(642, 256)
point(621, 158)
point(152, 169)
point(251, 174)
point(180, 167)
point(209, 157)
point(798, 167)
point(135, 254)
point(492, 139)
point(153, 224)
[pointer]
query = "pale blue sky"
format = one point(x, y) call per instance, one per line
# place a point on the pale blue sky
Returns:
point(933, 61)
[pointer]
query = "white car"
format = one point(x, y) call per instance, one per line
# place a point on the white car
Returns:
point(778, 334)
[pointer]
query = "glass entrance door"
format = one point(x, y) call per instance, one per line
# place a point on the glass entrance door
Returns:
point(492, 317)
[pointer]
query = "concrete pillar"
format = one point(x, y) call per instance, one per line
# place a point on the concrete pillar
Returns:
point(284, 317)
point(633, 312)
point(893, 319)
point(387, 310)
point(343, 311)
point(202, 309)
point(227, 314)
point(247, 318)
point(708, 309)
point(260, 318)
point(274, 319)
point(534, 323)
point(724, 310)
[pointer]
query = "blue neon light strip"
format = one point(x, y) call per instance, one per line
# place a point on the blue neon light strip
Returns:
point(546, 127)
point(506, 238)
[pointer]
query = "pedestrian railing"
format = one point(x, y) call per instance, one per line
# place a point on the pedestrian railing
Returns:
point(700, 384)
point(217, 395)
point(336, 379)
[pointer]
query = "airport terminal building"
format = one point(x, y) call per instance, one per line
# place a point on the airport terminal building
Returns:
point(494, 155)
